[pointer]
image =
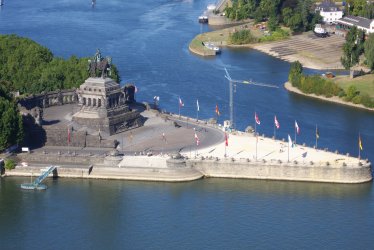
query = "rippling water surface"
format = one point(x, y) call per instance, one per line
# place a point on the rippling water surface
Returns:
point(148, 41)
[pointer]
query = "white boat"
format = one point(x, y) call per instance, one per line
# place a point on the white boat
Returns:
point(319, 31)
point(211, 46)
point(203, 19)
point(211, 7)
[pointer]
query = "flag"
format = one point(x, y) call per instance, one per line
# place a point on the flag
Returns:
point(217, 110)
point(226, 139)
point(136, 89)
point(317, 133)
point(68, 135)
point(197, 139)
point(256, 119)
point(197, 105)
point(290, 143)
point(163, 137)
point(131, 137)
point(276, 122)
point(297, 127)
point(360, 142)
point(181, 104)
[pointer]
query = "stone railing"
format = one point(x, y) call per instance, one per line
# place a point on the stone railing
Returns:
point(52, 98)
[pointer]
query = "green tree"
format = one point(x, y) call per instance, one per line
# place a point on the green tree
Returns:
point(295, 73)
point(352, 48)
point(286, 15)
point(295, 22)
point(369, 51)
point(273, 23)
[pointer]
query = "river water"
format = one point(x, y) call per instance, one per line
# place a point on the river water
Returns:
point(148, 41)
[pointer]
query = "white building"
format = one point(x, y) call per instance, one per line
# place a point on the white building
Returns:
point(329, 11)
point(361, 23)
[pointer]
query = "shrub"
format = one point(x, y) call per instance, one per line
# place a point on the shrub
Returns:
point(10, 164)
point(242, 37)
point(276, 35)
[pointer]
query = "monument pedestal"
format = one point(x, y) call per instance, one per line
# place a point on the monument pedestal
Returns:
point(103, 107)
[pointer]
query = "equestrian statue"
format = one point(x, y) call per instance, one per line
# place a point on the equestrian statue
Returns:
point(99, 65)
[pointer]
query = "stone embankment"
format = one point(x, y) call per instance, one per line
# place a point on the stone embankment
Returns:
point(277, 170)
point(334, 99)
point(177, 169)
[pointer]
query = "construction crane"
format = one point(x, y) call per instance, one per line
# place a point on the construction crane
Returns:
point(232, 84)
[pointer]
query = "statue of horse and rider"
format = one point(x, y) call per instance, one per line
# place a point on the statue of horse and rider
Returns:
point(99, 65)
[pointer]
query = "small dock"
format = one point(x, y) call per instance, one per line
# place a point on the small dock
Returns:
point(37, 184)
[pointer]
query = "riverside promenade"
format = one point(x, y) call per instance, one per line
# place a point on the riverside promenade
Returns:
point(175, 157)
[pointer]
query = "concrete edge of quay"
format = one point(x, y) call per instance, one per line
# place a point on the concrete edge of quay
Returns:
point(194, 169)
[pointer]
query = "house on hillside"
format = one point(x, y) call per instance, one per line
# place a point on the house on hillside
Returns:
point(362, 23)
point(329, 11)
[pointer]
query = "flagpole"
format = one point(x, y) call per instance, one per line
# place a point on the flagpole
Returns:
point(197, 110)
point(68, 140)
point(359, 149)
point(274, 128)
point(316, 136)
point(256, 146)
point(295, 132)
point(288, 159)
point(255, 126)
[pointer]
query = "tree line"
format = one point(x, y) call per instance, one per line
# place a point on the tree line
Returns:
point(355, 45)
point(298, 15)
point(315, 84)
point(31, 68)
point(11, 125)
point(362, 8)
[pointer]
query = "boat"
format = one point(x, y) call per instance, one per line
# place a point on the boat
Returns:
point(211, 46)
point(203, 19)
point(320, 31)
point(211, 7)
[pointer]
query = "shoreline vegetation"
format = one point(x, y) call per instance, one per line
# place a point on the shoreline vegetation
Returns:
point(335, 99)
point(340, 90)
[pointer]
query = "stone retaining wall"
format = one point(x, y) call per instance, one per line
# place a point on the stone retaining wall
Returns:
point(282, 171)
point(136, 168)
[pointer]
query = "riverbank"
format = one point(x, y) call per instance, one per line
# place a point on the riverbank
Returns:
point(311, 51)
point(334, 99)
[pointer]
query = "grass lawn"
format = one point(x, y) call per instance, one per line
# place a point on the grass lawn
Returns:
point(364, 84)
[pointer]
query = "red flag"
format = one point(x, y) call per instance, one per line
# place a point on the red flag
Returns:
point(217, 110)
point(68, 135)
point(256, 119)
point(226, 139)
point(297, 128)
point(276, 122)
point(197, 139)
point(181, 104)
